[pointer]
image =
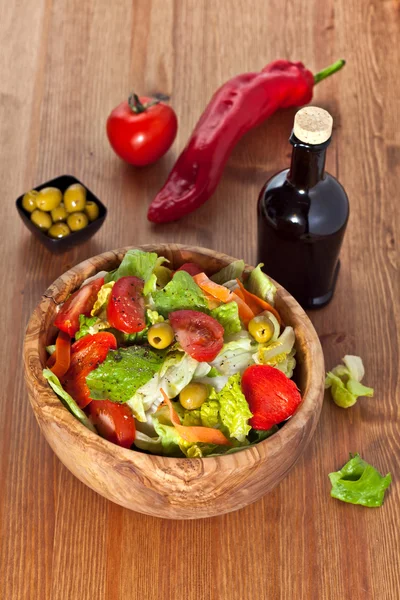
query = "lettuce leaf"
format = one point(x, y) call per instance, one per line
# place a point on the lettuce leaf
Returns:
point(123, 372)
point(152, 317)
point(67, 400)
point(103, 296)
point(234, 411)
point(357, 482)
point(90, 326)
point(175, 373)
point(279, 353)
point(147, 443)
point(136, 263)
point(228, 316)
point(345, 382)
point(257, 435)
point(179, 294)
point(235, 356)
point(259, 284)
point(232, 271)
point(209, 412)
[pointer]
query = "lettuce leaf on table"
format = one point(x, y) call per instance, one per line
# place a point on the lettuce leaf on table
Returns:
point(357, 482)
point(345, 384)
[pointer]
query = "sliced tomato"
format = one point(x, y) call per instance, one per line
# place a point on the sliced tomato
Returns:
point(114, 422)
point(190, 268)
point(62, 354)
point(272, 397)
point(86, 354)
point(80, 302)
point(200, 335)
point(126, 310)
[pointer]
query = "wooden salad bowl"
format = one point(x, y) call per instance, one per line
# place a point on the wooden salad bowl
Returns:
point(173, 488)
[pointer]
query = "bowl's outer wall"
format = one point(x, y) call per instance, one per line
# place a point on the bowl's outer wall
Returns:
point(171, 487)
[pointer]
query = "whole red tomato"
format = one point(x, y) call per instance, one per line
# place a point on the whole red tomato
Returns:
point(141, 130)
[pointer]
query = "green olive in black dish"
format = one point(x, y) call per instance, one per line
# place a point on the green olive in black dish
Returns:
point(29, 201)
point(59, 213)
point(77, 221)
point(41, 219)
point(92, 210)
point(75, 198)
point(59, 230)
point(49, 198)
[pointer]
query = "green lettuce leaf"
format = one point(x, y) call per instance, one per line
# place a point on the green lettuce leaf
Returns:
point(235, 356)
point(136, 263)
point(279, 353)
point(152, 317)
point(179, 294)
point(90, 326)
point(257, 435)
point(228, 316)
point(67, 400)
point(147, 443)
point(51, 349)
point(260, 285)
point(359, 483)
point(191, 418)
point(345, 382)
point(231, 272)
point(209, 413)
point(234, 411)
point(123, 372)
point(175, 373)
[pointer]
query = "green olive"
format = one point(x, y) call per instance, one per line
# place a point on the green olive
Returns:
point(29, 201)
point(49, 198)
point(59, 213)
point(59, 230)
point(193, 395)
point(75, 198)
point(92, 210)
point(41, 219)
point(261, 328)
point(77, 221)
point(160, 335)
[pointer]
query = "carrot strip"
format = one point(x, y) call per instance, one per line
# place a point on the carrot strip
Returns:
point(213, 289)
point(245, 312)
point(62, 355)
point(194, 434)
point(256, 304)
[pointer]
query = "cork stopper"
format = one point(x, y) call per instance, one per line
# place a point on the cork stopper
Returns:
point(312, 125)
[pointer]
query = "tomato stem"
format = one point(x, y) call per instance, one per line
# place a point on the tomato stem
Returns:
point(137, 106)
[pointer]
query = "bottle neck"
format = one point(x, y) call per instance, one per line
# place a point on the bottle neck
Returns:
point(308, 163)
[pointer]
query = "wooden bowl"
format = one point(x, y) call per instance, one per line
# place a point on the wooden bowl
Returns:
point(174, 488)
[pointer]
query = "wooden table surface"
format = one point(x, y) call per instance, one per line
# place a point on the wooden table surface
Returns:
point(63, 67)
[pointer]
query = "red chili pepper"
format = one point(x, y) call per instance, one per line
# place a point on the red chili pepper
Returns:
point(240, 104)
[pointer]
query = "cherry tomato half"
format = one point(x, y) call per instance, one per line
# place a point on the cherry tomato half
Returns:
point(126, 310)
point(141, 130)
point(79, 303)
point(200, 335)
point(191, 268)
point(86, 354)
point(114, 422)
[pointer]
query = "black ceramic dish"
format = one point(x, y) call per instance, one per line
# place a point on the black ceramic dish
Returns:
point(75, 237)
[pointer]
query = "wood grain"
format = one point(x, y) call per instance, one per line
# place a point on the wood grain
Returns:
point(155, 485)
point(63, 66)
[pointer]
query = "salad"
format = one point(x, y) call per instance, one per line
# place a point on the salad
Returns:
point(176, 363)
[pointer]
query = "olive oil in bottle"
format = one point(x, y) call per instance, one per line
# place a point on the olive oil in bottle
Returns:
point(302, 215)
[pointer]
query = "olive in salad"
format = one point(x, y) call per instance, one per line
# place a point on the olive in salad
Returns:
point(176, 363)
point(58, 214)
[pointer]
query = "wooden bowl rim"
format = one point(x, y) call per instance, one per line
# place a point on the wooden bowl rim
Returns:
point(50, 406)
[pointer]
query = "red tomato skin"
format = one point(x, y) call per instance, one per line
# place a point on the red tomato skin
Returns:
point(200, 335)
point(86, 354)
point(191, 268)
point(113, 421)
point(272, 397)
point(141, 139)
point(80, 302)
point(126, 309)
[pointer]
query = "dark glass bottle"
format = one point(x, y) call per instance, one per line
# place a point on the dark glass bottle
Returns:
point(302, 217)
